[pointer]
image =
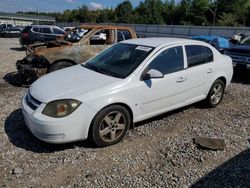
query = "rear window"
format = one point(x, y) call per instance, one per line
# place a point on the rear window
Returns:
point(46, 30)
point(123, 35)
point(36, 29)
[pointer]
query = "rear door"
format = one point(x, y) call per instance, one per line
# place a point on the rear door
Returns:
point(37, 34)
point(200, 70)
point(47, 34)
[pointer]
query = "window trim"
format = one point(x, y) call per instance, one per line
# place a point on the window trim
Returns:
point(145, 67)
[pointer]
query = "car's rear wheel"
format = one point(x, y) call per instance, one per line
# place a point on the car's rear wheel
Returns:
point(215, 94)
point(59, 65)
point(110, 125)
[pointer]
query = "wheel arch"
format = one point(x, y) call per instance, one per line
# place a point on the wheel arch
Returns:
point(65, 60)
point(123, 105)
point(61, 60)
point(223, 79)
point(126, 106)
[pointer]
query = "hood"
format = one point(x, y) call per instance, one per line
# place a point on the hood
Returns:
point(68, 83)
point(50, 44)
point(240, 49)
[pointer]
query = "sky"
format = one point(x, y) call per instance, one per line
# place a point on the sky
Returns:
point(56, 5)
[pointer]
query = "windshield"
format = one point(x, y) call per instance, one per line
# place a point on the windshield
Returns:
point(245, 41)
point(119, 60)
point(76, 34)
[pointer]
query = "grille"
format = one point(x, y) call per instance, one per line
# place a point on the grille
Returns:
point(241, 58)
point(32, 102)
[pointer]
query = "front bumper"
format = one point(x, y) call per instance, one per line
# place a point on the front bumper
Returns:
point(58, 130)
point(28, 71)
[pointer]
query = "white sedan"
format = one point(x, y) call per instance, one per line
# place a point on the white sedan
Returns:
point(126, 83)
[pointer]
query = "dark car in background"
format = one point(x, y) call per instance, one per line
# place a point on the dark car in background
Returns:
point(40, 33)
point(64, 52)
point(240, 53)
point(9, 30)
point(220, 43)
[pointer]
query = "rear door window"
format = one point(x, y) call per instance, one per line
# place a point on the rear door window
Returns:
point(46, 30)
point(37, 29)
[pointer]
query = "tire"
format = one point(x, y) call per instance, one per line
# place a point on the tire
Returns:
point(110, 126)
point(59, 65)
point(215, 94)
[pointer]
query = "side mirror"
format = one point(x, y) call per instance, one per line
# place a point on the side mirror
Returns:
point(152, 73)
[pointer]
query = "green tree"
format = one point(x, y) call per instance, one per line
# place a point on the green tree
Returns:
point(169, 11)
point(123, 12)
point(227, 19)
point(197, 12)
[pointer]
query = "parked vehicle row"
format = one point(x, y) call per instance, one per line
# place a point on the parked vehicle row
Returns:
point(47, 57)
point(238, 48)
point(9, 30)
point(39, 34)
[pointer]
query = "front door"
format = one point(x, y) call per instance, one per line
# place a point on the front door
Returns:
point(162, 94)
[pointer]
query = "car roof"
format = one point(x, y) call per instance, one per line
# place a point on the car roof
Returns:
point(155, 42)
point(45, 26)
point(104, 27)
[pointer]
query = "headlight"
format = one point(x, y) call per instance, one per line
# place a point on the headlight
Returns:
point(61, 108)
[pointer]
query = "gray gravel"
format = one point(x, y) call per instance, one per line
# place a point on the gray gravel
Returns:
point(158, 153)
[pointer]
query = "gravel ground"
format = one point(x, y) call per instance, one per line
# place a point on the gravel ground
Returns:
point(159, 152)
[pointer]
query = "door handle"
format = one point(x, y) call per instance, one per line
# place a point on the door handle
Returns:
point(209, 70)
point(181, 79)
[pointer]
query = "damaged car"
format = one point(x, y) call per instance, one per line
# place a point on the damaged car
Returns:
point(47, 57)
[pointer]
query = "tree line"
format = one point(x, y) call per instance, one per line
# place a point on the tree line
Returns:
point(185, 12)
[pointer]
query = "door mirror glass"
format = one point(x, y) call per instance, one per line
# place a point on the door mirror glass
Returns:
point(152, 73)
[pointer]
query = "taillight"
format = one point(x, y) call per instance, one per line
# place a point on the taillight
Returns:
point(25, 35)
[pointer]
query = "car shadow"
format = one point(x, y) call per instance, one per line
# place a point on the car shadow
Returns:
point(19, 49)
point(16, 79)
point(241, 76)
point(233, 173)
point(20, 136)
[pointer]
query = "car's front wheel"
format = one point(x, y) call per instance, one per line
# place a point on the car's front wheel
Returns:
point(215, 94)
point(110, 125)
